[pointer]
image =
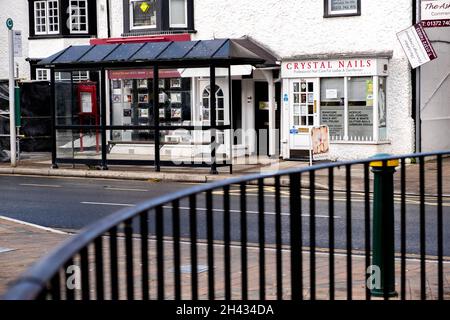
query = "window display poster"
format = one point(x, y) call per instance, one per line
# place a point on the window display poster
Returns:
point(143, 83)
point(175, 83)
point(333, 117)
point(127, 83)
point(175, 97)
point(176, 113)
point(369, 93)
point(143, 113)
point(116, 84)
point(128, 98)
point(86, 102)
point(116, 98)
point(143, 98)
point(127, 113)
point(331, 94)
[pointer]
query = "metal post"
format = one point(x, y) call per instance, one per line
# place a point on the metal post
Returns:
point(12, 106)
point(53, 114)
point(383, 225)
point(156, 117)
point(104, 165)
point(212, 100)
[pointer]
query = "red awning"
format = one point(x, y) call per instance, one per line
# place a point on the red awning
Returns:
point(142, 74)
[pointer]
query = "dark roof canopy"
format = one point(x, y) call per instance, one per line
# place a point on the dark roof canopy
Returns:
point(228, 51)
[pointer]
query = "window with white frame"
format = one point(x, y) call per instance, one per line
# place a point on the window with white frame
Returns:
point(78, 76)
point(178, 13)
point(143, 14)
point(43, 74)
point(354, 108)
point(78, 19)
point(46, 17)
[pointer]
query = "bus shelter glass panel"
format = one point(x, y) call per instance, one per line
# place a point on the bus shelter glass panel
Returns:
point(78, 144)
point(221, 93)
point(77, 98)
point(137, 145)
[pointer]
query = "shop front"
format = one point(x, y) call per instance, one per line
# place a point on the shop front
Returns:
point(161, 103)
point(346, 94)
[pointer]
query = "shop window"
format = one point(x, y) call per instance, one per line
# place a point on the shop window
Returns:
point(339, 8)
point(78, 16)
point(46, 17)
point(360, 108)
point(332, 107)
point(350, 113)
point(157, 15)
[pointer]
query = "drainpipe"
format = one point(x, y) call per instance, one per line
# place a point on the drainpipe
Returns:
point(415, 79)
point(108, 8)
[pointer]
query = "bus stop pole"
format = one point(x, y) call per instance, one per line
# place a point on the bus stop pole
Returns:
point(12, 106)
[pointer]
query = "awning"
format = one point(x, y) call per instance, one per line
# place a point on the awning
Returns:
point(238, 70)
point(195, 53)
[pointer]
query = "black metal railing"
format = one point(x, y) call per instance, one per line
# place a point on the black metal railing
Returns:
point(307, 233)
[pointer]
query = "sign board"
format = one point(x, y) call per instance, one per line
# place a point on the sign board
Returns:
point(264, 105)
point(416, 45)
point(435, 13)
point(334, 68)
point(17, 43)
point(320, 143)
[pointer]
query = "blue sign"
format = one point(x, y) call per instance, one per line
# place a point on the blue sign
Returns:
point(286, 97)
point(293, 131)
point(9, 23)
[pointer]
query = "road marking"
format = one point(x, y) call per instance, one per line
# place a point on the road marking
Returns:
point(126, 189)
point(40, 185)
point(108, 204)
point(198, 209)
point(252, 212)
point(34, 225)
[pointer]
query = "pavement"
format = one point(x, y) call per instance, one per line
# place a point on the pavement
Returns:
point(22, 244)
point(27, 243)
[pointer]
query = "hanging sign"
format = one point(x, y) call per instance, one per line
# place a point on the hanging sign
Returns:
point(416, 45)
point(435, 13)
point(17, 43)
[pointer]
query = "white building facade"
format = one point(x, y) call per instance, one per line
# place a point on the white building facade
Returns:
point(339, 63)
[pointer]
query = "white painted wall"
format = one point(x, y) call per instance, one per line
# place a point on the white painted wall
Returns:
point(19, 13)
point(291, 28)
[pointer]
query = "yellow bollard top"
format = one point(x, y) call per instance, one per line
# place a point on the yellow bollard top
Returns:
point(379, 163)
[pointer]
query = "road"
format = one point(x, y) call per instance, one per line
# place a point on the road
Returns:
point(71, 204)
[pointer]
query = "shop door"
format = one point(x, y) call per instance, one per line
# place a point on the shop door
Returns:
point(222, 111)
point(303, 114)
point(262, 117)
